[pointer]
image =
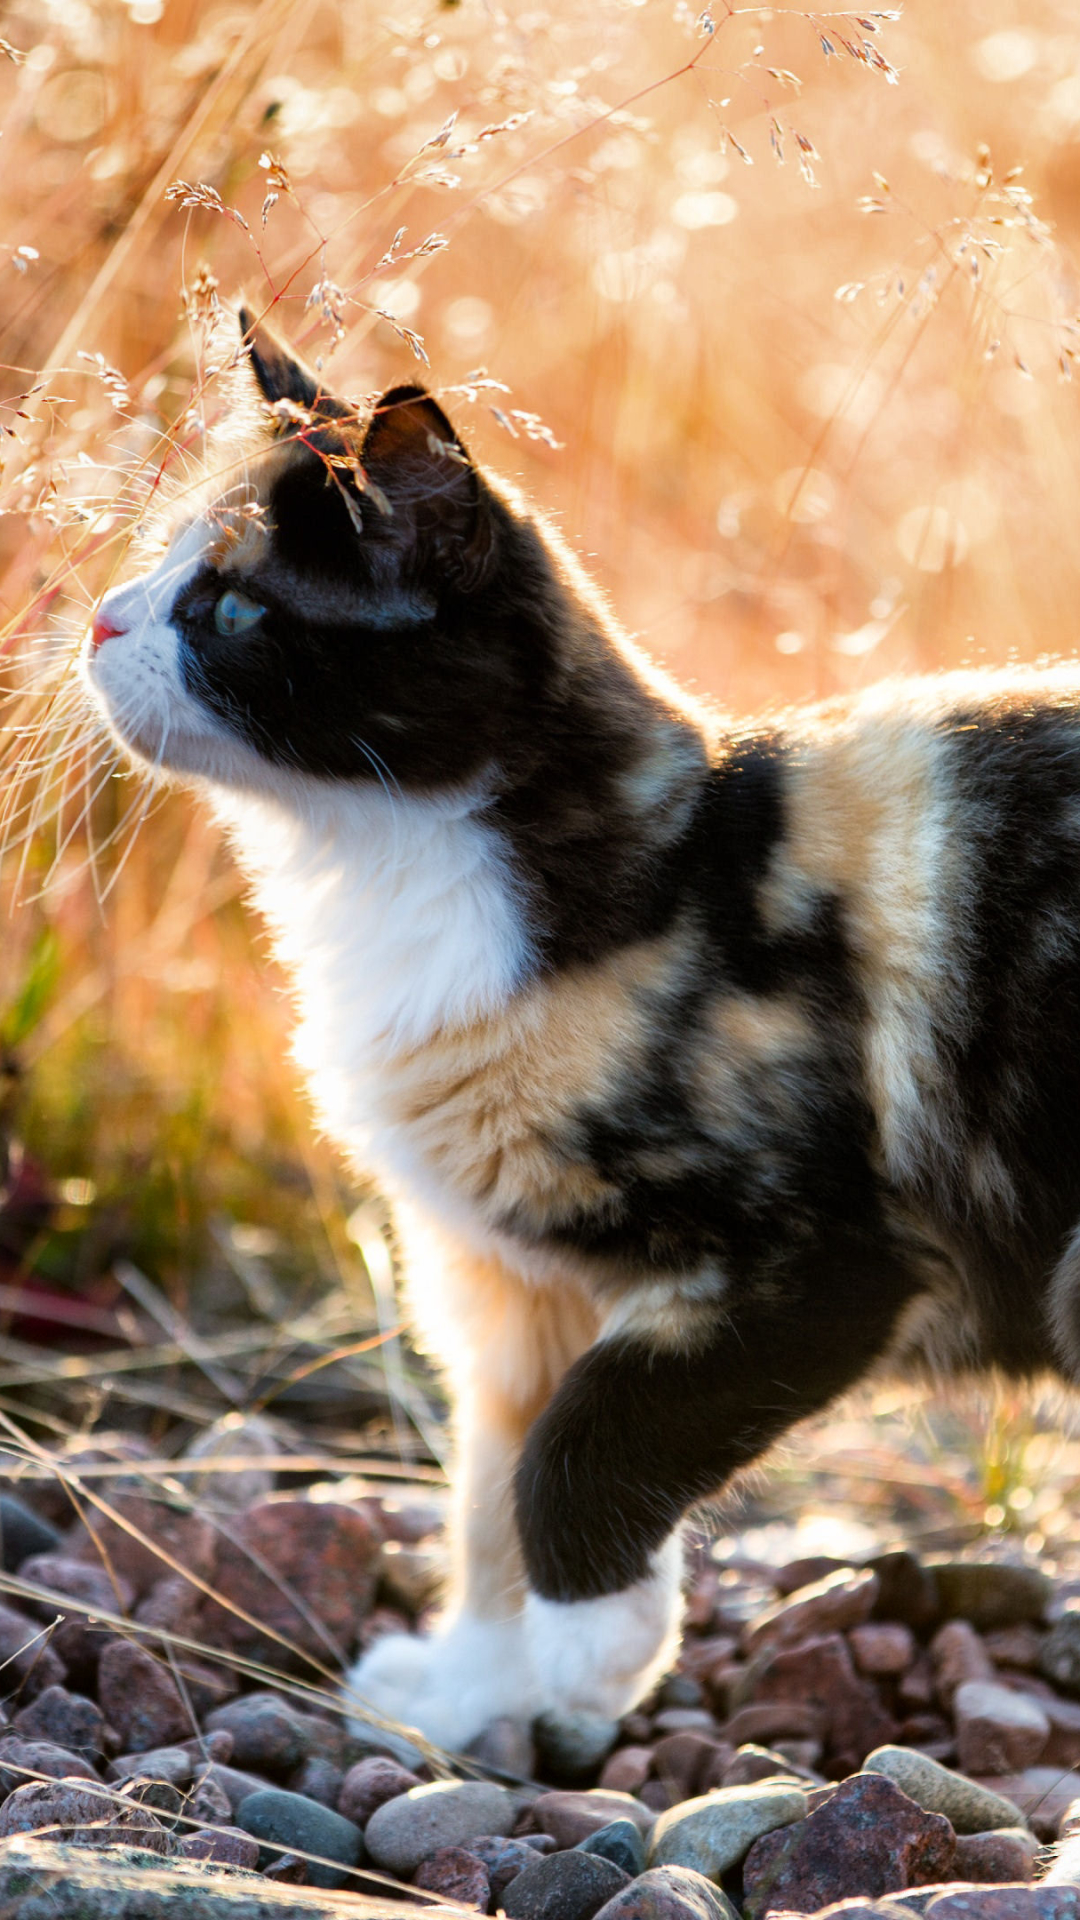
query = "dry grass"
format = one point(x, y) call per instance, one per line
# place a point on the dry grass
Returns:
point(778, 330)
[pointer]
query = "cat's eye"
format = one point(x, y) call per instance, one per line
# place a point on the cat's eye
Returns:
point(235, 613)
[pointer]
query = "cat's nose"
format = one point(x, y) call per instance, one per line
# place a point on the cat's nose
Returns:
point(103, 628)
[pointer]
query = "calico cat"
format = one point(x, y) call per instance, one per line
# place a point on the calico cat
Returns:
point(707, 1065)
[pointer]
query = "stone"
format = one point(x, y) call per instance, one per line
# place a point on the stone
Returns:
point(1007, 1903)
point(231, 1438)
point(841, 1600)
point(266, 1734)
point(457, 1875)
point(503, 1858)
point(767, 1720)
point(226, 1846)
point(322, 1552)
point(997, 1731)
point(22, 1533)
point(173, 1536)
point(505, 1746)
point(370, 1784)
point(78, 1641)
point(958, 1656)
point(66, 1720)
point(620, 1841)
point(681, 1761)
point(867, 1835)
point(907, 1590)
point(820, 1673)
point(448, 1813)
point(669, 1893)
point(86, 1816)
point(291, 1822)
point(752, 1763)
point(230, 1781)
point(680, 1689)
point(806, 1571)
point(1017, 1646)
point(563, 1886)
point(1059, 1656)
point(571, 1817)
point(969, 1808)
point(1042, 1795)
point(882, 1647)
point(174, 1764)
point(319, 1779)
point(713, 1832)
point(1063, 1747)
point(18, 1758)
point(572, 1746)
point(684, 1720)
point(29, 1662)
point(172, 1603)
point(159, 1797)
point(627, 1770)
point(990, 1594)
point(1007, 1854)
point(140, 1698)
point(209, 1802)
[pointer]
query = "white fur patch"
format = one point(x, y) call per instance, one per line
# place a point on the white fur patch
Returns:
point(600, 1656)
point(451, 1686)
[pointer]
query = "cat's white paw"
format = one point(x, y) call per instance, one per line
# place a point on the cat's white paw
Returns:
point(601, 1656)
point(452, 1685)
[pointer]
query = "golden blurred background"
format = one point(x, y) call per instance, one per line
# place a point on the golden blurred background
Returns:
point(775, 311)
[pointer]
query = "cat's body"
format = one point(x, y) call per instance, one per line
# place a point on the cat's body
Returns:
point(706, 1069)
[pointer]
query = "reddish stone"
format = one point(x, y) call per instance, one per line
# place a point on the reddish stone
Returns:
point(323, 1556)
point(627, 1770)
point(1043, 1795)
point(66, 1720)
point(865, 1835)
point(20, 1757)
point(76, 1641)
point(915, 1689)
point(997, 1731)
point(164, 1538)
point(86, 1817)
point(820, 1674)
point(139, 1697)
point(369, 1784)
point(882, 1647)
point(1018, 1646)
point(668, 1893)
point(752, 1763)
point(681, 1761)
point(226, 1847)
point(958, 1655)
point(29, 1662)
point(457, 1875)
point(990, 1858)
point(657, 1796)
point(1009, 1903)
point(841, 1600)
point(571, 1817)
point(172, 1603)
point(769, 1720)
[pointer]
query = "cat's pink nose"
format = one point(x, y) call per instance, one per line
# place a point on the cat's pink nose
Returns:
point(102, 629)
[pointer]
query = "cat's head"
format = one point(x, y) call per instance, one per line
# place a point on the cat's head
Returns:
point(358, 604)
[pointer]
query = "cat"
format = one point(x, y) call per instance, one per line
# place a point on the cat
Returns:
point(708, 1066)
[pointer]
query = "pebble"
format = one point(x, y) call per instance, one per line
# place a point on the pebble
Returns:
point(752, 1763)
point(841, 1600)
point(370, 1784)
point(140, 1698)
point(29, 1662)
point(769, 1720)
point(1018, 1646)
point(457, 1875)
point(907, 1590)
point(65, 1720)
point(669, 1893)
point(1042, 1795)
point(867, 1835)
point(506, 1746)
point(1063, 1747)
point(22, 1533)
point(76, 1641)
point(1008, 1854)
point(230, 1781)
point(229, 1438)
point(681, 1761)
point(290, 1821)
point(1008, 1903)
point(571, 1817)
point(20, 1757)
point(997, 1731)
point(266, 1734)
point(958, 1655)
point(319, 1779)
point(86, 1817)
point(990, 1594)
point(572, 1746)
point(325, 1552)
point(172, 1603)
point(619, 1841)
point(448, 1813)
point(174, 1764)
point(715, 1830)
point(503, 1859)
point(627, 1770)
point(821, 1674)
point(969, 1808)
point(209, 1801)
point(172, 1534)
point(882, 1647)
point(1059, 1656)
point(223, 1846)
point(564, 1886)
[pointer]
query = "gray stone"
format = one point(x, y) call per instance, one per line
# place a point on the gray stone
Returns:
point(669, 1893)
point(997, 1730)
point(448, 1813)
point(267, 1736)
point(22, 1533)
point(1059, 1657)
point(67, 1720)
point(174, 1764)
point(48, 1880)
point(294, 1823)
point(716, 1830)
point(22, 1758)
point(936, 1789)
point(620, 1841)
point(564, 1886)
point(88, 1816)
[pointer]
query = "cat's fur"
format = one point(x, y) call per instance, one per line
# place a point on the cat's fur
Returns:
point(707, 1065)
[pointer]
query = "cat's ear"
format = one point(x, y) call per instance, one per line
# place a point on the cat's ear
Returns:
point(440, 504)
point(280, 374)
